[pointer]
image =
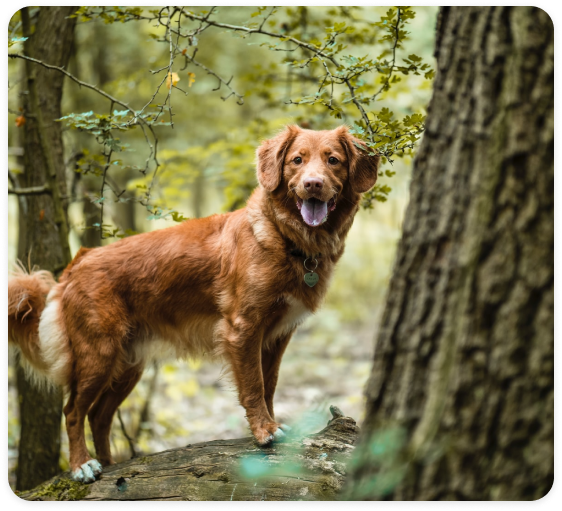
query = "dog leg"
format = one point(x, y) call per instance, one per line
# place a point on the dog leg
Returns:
point(270, 362)
point(93, 366)
point(101, 414)
point(243, 341)
point(84, 469)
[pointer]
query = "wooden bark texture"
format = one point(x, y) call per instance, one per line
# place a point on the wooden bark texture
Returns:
point(51, 43)
point(299, 468)
point(460, 399)
point(39, 244)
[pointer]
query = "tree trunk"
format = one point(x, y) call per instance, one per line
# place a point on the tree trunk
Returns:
point(39, 226)
point(309, 468)
point(460, 399)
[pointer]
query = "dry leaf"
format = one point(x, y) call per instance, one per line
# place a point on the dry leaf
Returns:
point(172, 79)
point(191, 79)
point(20, 121)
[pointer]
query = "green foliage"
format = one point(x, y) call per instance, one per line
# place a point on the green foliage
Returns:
point(102, 124)
point(15, 40)
point(385, 457)
point(342, 62)
point(160, 213)
point(109, 15)
point(256, 466)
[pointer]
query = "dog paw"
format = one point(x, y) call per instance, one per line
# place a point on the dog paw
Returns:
point(87, 472)
point(282, 431)
point(270, 432)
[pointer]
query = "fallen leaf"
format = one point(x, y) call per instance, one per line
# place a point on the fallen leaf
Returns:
point(41, 215)
point(20, 121)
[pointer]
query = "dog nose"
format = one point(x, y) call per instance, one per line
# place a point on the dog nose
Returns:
point(313, 184)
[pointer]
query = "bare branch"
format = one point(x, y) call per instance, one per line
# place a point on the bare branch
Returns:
point(240, 97)
point(126, 435)
point(72, 77)
point(250, 31)
point(143, 123)
point(31, 190)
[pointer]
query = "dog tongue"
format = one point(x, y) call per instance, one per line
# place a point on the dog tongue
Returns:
point(314, 211)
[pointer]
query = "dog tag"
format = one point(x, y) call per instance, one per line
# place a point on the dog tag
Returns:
point(311, 278)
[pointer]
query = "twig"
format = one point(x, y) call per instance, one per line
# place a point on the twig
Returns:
point(143, 123)
point(397, 37)
point(126, 435)
point(102, 198)
point(32, 190)
point(240, 97)
point(145, 411)
point(250, 31)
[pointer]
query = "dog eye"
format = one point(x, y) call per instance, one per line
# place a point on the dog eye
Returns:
point(298, 160)
point(332, 160)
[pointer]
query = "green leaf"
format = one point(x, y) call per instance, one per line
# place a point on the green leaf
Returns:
point(15, 40)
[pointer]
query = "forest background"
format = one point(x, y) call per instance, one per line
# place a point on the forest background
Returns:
point(207, 166)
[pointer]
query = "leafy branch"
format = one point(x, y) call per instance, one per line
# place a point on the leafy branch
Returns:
point(345, 86)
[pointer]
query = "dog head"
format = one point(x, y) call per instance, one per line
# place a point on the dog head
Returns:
point(315, 168)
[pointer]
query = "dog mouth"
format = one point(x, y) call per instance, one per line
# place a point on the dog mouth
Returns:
point(315, 211)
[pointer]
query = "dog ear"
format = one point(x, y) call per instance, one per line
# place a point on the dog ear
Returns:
point(363, 167)
point(271, 157)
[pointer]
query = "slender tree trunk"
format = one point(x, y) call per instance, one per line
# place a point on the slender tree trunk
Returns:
point(460, 399)
point(40, 222)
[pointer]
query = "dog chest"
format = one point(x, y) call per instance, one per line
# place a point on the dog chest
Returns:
point(296, 312)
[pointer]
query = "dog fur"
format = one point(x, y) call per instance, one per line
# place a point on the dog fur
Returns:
point(230, 284)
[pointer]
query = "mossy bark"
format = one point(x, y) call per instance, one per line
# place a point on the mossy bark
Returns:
point(41, 221)
point(460, 399)
point(299, 468)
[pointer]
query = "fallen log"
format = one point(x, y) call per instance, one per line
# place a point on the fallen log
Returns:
point(309, 467)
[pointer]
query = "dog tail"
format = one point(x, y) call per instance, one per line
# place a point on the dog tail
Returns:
point(27, 300)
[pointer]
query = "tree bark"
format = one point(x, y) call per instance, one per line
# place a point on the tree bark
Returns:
point(460, 399)
point(40, 222)
point(309, 468)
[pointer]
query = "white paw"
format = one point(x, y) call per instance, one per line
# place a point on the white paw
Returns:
point(87, 472)
point(266, 440)
point(281, 432)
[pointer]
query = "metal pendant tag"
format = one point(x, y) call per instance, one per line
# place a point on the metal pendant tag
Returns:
point(311, 279)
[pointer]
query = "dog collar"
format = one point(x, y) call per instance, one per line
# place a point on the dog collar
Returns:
point(297, 252)
point(311, 278)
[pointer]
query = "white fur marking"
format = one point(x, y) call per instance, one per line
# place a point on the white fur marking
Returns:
point(295, 315)
point(53, 341)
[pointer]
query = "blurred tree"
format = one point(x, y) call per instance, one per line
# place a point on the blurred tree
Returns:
point(43, 227)
point(460, 399)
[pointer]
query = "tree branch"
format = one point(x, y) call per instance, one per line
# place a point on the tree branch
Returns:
point(138, 119)
point(32, 190)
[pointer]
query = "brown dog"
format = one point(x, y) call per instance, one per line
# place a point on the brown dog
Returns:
point(232, 284)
